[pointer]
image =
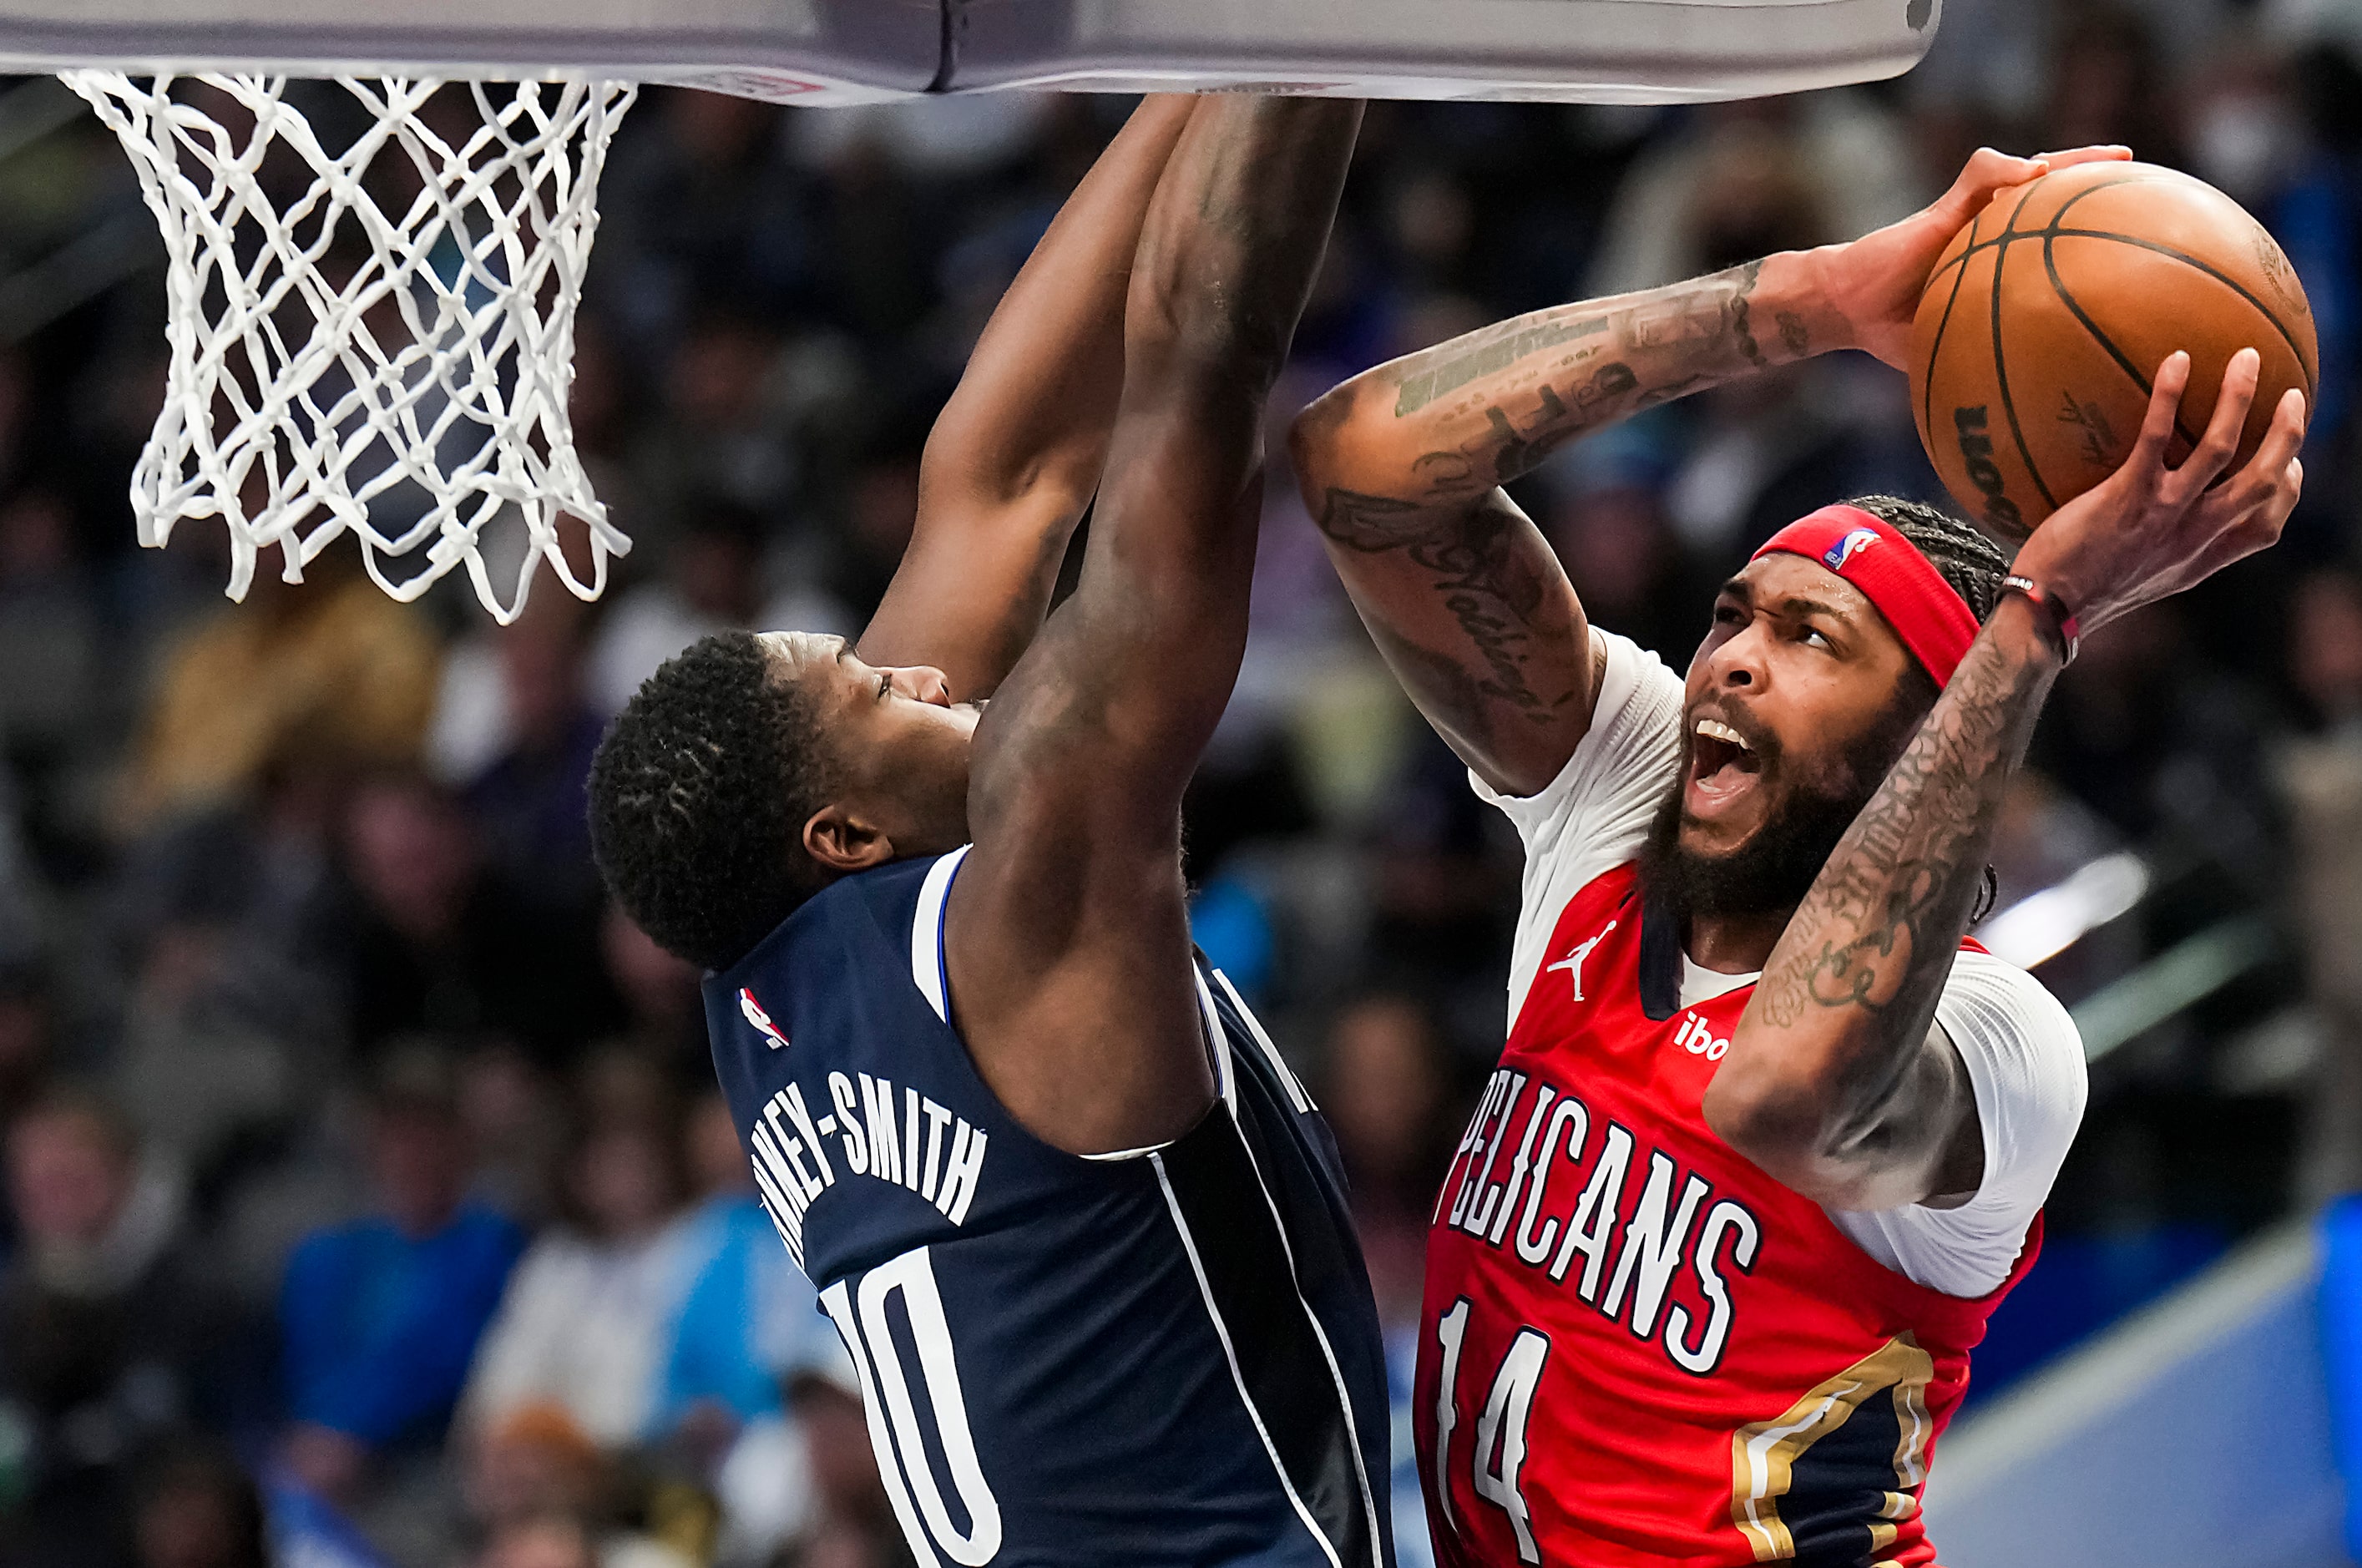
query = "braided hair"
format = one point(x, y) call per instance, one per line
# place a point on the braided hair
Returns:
point(1974, 565)
point(1970, 562)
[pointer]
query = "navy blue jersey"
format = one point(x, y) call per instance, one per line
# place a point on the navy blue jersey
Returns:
point(1168, 1356)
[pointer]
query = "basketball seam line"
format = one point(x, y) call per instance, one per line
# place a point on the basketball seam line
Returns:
point(2004, 237)
point(2052, 230)
point(2225, 279)
point(1936, 347)
point(2001, 371)
point(2050, 235)
point(2123, 360)
point(2192, 262)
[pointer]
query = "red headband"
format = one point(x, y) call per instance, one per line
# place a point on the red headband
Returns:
point(1928, 613)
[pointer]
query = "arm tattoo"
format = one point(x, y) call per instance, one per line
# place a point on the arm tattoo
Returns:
point(1493, 594)
point(1373, 525)
point(1490, 590)
point(1435, 433)
point(1877, 934)
point(1531, 384)
point(1485, 353)
point(1739, 325)
point(1509, 447)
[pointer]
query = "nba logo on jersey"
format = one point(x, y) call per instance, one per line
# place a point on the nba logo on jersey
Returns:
point(759, 1018)
point(1845, 549)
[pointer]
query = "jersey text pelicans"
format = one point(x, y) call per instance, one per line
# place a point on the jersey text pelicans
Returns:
point(1641, 1349)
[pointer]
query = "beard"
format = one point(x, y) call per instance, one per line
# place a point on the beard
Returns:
point(1776, 867)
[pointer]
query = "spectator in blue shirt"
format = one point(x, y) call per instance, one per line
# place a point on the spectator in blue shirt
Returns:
point(745, 1312)
point(745, 1319)
point(379, 1316)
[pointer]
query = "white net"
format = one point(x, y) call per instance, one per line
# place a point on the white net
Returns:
point(377, 340)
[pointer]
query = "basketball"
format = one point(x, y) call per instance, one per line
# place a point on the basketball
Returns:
point(2038, 332)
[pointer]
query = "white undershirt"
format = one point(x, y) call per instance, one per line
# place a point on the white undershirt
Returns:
point(2023, 1056)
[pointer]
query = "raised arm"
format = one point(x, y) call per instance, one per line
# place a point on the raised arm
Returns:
point(1837, 1083)
point(1067, 936)
point(1016, 453)
point(1402, 465)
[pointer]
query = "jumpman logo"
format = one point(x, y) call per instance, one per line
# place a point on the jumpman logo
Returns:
point(1573, 962)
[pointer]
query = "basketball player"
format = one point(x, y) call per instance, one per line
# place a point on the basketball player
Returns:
point(1082, 1233)
point(1768, 1140)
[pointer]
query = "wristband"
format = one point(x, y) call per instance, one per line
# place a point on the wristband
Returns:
point(2056, 619)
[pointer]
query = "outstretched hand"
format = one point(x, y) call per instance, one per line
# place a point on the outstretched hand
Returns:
point(2147, 530)
point(1874, 282)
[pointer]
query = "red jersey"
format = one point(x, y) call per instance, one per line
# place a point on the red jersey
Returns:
point(1636, 1348)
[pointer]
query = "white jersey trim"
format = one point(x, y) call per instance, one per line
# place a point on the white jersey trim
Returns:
point(1288, 1251)
point(927, 968)
point(1218, 1054)
point(1217, 1045)
point(1288, 1079)
point(1231, 1356)
point(1116, 1156)
point(931, 975)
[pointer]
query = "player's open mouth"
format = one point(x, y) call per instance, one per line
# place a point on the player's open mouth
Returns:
point(1723, 766)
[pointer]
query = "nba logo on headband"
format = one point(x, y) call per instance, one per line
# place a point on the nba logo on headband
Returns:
point(1926, 611)
point(1836, 554)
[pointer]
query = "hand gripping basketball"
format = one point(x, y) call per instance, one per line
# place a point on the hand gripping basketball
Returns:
point(1873, 284)
point(2146, 530)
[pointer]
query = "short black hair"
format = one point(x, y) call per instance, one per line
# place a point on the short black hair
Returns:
point(1970, 562)
point(698, 796)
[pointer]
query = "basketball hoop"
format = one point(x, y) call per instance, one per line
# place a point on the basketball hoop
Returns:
point(373, 335)
point(376, 340)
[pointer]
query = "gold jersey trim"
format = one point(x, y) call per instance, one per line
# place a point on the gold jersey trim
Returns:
point(1763, 1454)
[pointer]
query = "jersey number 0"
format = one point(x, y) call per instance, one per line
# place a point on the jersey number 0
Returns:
point(894, 1429)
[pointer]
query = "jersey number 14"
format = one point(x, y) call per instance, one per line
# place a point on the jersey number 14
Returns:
point(1500, 1448)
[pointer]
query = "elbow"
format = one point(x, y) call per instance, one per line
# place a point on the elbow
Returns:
point(1780, 1125)
point(1310, 439)
point(971, 467)
point(1312, 433)
point(1850, 1125)
point(1321, 440)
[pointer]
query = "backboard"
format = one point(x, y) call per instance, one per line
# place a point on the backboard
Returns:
point(815, 52)
point(397, 322)
point(835, 51)
point(1600, 51)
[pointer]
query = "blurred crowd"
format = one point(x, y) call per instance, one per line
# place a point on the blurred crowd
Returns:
point(368, 1199)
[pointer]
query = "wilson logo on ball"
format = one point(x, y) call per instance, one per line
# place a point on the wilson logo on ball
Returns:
point(1976, 451)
